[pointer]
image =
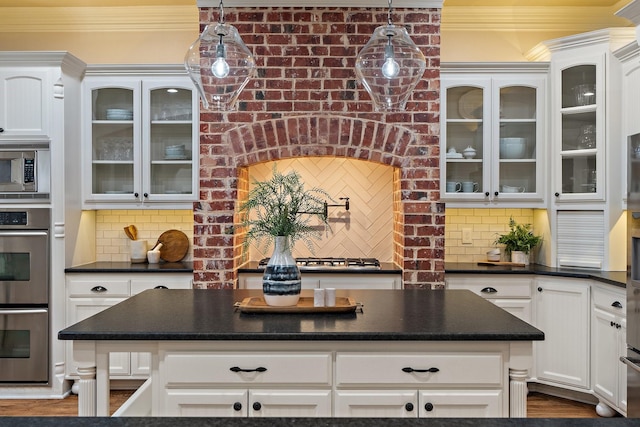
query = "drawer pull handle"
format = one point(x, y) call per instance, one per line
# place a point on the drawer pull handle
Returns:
point(409, 370)
point(237, 406)
point(98, 289)
point(257, 406)
point(258, 369)
point(161, 287)
point(409, 407)
point(428, 406)
point(489, 290)
point(616, 304)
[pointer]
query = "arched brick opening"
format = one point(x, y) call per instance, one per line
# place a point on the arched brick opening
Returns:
point(418, 232)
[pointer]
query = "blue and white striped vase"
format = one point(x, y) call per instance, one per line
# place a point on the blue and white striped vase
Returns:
point(281, 282)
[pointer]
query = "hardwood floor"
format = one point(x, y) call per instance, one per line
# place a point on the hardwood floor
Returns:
point(538, 406)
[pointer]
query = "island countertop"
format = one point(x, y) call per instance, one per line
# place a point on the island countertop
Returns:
point(387, 315)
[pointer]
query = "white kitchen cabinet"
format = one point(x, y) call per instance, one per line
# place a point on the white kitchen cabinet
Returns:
point(141, 139)
point(484, 106)
point(337, 281)
point(562, 312)
point(26, 98)
point(247, 384)
point(608, 345)
point(511, 292)
point(88, 294)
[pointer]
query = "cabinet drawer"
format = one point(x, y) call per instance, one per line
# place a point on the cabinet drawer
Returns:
point(265, 368)
point(610, 301)
point(98, 288)
point(169, 282)
point(442, 368)
point(494, 287)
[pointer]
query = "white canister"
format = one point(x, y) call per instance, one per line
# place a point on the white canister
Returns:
point(330, 297)
point(138, 252)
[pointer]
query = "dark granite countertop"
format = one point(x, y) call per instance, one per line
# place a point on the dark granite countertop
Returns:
point(315, 422)
point(618, 278)
point(385, 268)
point(127, 267)
point(396, 315)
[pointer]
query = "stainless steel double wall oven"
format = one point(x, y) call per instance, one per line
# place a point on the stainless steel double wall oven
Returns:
point(24, 296)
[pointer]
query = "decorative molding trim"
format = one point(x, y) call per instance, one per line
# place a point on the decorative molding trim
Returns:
point(531, 18)
point(615, 37)
point(369, 4)
point(465, 68)
point(98, 19)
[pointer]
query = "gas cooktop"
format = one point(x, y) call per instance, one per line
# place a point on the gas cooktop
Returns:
point(313, 263)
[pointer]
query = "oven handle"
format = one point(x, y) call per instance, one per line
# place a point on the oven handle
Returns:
point(629, 363)
point(23, 233)
point(23, 311)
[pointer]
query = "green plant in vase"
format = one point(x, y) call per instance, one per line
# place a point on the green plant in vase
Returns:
point(281, 211)
point(519, 240)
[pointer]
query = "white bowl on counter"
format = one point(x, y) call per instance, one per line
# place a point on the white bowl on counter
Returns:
point(512, 148)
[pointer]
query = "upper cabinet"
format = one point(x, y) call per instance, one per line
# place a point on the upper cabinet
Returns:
point(141, 141)
point(26, 95)
point(493, 133)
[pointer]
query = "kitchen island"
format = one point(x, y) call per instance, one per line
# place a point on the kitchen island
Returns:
point(404, 353)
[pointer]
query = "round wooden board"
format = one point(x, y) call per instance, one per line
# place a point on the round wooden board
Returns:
point(175, 245)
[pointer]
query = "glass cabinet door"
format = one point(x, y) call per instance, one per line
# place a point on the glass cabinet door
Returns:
point(580, 133)
point(517, 137)
point(465, 135)
point(113, 140)
point(170, 135)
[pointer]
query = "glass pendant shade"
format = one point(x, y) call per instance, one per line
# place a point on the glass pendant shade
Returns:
point(220, 65)
point(389, 67)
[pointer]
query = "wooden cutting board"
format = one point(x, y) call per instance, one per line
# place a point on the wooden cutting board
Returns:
point(502, 263)
point(175, 245)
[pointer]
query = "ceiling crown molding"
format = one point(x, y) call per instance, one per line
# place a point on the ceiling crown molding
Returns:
point(529, 18)
point(98, 19)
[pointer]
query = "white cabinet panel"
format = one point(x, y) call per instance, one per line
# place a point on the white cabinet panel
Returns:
point(205, 403)
point(26, 96)
point(290, 403)
point(461, 404)
point(377, 404)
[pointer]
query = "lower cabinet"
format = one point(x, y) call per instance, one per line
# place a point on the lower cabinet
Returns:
point(562, 312)
point(470, 381)
point(609, 375)
point(88, 294)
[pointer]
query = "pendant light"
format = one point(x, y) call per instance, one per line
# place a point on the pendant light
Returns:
point(390, 66)
point(219, 64)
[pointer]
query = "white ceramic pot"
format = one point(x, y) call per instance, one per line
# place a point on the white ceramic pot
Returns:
point(519, 257)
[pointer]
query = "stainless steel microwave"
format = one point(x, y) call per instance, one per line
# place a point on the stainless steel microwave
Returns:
point(21, 171)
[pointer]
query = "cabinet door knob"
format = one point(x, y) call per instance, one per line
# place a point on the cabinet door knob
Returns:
point(486, 193)
point(496, 194)
point(136, 195)
point(428, 406)
point(557, 194)
point(409, 407)
point(237, 406)
point(489, 290)
point(1, 130)
point(539, 289)
point(616, 304)
point(145, 195)
point(257, 406)
point(99, 289)
point(161, 287)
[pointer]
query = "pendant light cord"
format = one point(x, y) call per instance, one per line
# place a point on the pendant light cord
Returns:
point(388, 16)
point(221, 15)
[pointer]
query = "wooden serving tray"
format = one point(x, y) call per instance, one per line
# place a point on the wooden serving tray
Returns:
point(503, 263)
point(305, 305)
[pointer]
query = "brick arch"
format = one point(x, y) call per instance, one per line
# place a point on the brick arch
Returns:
point(335, 136)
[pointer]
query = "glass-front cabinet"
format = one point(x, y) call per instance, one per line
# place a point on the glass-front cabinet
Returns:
point(581, 133)
point(141, 138)
point(493, 134)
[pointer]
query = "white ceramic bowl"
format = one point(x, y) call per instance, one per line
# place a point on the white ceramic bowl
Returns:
point(174, 150)
point(512, 148)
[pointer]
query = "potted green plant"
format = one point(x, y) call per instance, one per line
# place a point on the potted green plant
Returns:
point(280, 211)
point(518, 242)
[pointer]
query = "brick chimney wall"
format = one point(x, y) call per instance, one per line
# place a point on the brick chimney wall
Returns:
point(305, 101)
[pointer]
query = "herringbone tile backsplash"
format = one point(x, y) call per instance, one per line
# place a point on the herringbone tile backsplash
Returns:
point(363, 231)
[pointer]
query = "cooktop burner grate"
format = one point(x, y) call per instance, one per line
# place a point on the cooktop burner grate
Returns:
point(315, 263)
